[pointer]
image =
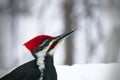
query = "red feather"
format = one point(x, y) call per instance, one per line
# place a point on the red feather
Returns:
point(35, 42)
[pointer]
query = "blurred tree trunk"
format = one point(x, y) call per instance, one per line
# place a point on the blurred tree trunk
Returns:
point(9, 11)
point(68, 7)
point(112, 45)
point(5, 35)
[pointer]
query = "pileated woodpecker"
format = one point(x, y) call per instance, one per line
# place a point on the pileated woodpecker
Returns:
point(42, 67)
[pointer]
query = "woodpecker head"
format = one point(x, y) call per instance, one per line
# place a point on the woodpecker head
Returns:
point(45, 43)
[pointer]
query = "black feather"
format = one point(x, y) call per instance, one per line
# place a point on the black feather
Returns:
point(27, 71)
point(30, 71)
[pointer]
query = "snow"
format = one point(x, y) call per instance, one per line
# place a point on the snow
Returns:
point(89, 72)
point(86, 72)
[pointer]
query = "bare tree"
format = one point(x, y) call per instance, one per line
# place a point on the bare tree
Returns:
point(68, 7)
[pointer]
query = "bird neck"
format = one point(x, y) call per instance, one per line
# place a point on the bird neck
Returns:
point(43, 59)
point(49, 60)
point(40, 57)
point(45, 64)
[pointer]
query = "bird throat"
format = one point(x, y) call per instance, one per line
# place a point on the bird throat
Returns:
point(43, 59)
point(40, 62)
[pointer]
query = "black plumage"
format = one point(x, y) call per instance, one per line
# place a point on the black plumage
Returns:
point(27, 71)
point(30, 71)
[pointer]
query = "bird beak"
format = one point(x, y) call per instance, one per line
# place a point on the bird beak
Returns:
point(64, 35)
point(59, 39)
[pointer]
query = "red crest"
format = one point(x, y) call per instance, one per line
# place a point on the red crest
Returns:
point(35, 42)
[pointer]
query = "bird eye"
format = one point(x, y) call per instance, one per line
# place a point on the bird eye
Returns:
point(43, 45)
point(46, 41)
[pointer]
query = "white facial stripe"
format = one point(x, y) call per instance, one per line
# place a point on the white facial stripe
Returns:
point(40, 60)
point(41, 56)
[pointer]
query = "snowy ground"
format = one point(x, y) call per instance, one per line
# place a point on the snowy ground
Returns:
point(86, 72)
point(89, 72)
